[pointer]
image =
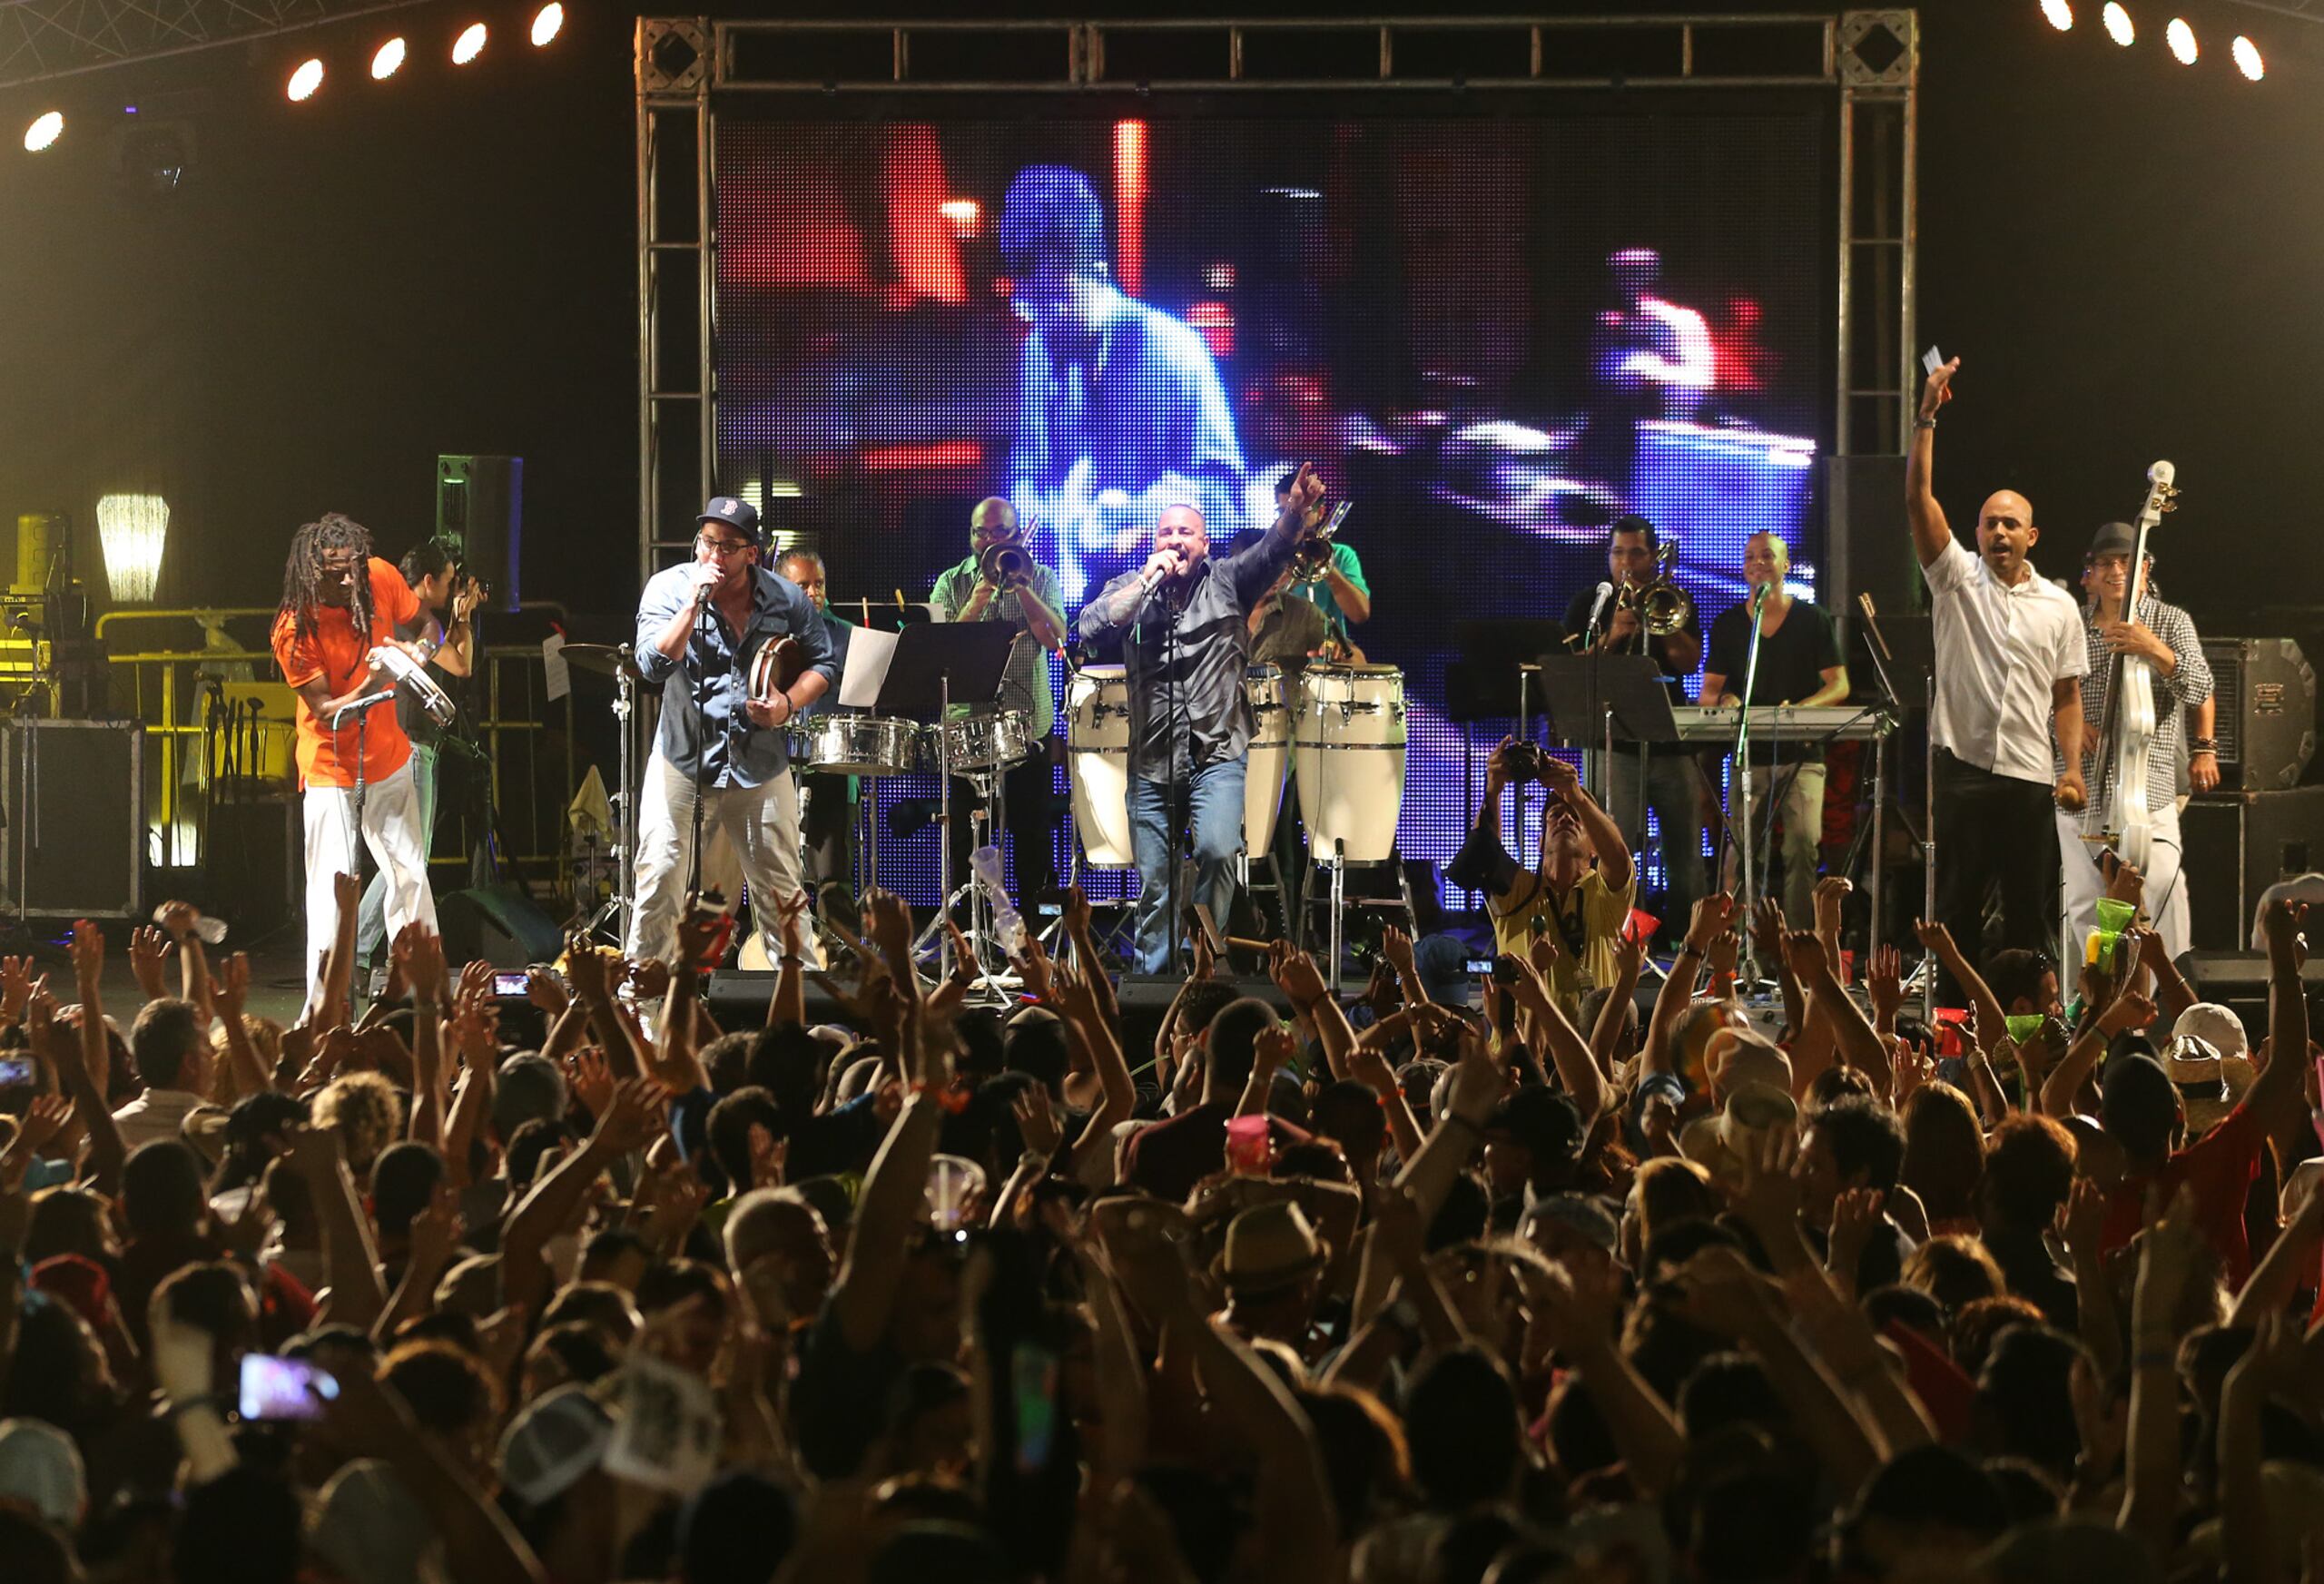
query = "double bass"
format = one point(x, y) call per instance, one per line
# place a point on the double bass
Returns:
point(2119, 815)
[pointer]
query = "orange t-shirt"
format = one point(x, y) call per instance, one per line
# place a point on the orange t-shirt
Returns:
point(336, 653)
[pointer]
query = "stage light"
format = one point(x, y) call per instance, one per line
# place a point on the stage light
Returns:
point(305, 81)
point(132, 530)
point(469, 44)
point(46, 129)
point(2247, 58)
point(2058, 14)
point(2181, 40)
point(546, 21)
point(2117, 23)
point(385, 59)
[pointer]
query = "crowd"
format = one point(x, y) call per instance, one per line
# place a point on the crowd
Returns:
point(585, 1288)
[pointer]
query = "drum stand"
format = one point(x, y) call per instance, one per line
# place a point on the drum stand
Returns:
point(992, 986)
point(620, 908)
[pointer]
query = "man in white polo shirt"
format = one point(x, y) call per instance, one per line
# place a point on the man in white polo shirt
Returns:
point(2009, 657)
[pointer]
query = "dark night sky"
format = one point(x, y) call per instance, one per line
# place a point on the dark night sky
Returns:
point(2120, 250)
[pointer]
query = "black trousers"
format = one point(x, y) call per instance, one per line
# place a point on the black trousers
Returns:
point(1028, 815)
point(1993, 830)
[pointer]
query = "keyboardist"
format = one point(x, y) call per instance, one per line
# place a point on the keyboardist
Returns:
point(1799, 663)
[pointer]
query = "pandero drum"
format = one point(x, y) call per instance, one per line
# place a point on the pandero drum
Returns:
point(1349, 751)
point(856, 745)
point(993, 742)
point(1271, 707)
point(1096, 702)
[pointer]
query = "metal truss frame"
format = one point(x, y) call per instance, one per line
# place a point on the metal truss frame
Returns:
point(1871, 57)
point(45, 39)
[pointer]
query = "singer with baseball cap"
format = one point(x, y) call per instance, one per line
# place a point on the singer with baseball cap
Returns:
point(700, 625)
point(1182, 622)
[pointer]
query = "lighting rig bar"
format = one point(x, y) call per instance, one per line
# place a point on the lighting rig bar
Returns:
point(44, 39)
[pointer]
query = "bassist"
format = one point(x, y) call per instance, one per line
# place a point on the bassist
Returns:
point(2161, 636)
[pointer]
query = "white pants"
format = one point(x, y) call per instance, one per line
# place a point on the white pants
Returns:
point(1801, 839)
point(399, 844)
point(2166, 888)
point(762, 824)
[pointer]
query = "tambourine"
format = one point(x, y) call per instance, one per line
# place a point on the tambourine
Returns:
point(412, 677)
point(775, 667)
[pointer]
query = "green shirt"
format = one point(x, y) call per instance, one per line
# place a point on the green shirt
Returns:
point(1025, 685)
point(1319, 592)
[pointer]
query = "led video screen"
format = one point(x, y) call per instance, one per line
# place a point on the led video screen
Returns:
point(1492, 334)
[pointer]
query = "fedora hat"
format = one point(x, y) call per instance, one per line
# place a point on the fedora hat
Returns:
point(1270, 1248)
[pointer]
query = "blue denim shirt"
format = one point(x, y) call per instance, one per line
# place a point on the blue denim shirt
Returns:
point(704, 731)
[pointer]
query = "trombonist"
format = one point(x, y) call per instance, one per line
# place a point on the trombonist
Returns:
point(1330, 578)
point(1608, 620)
point(998, 581)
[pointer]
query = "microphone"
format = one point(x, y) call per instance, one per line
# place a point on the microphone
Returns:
point(354, 705)
point(705, 579)
point(1598, 605)
point(1759, 599)
point(1151, 579)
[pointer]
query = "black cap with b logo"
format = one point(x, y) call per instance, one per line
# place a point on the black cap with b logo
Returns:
point(738, 515)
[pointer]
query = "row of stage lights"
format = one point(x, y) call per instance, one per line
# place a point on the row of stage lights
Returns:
point(306, 78)
point(2177, 36)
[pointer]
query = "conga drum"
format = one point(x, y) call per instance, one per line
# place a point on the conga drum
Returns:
point(1349, 750)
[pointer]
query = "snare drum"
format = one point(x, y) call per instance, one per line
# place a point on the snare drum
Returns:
point(993, 741)
point(1270, 760)
point(1096, 702)
point(1349, 752)
point(846, 744)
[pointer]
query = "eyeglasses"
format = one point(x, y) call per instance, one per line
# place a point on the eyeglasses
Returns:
point(722, 546)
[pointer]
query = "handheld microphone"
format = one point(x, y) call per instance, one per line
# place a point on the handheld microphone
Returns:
point(1151, 579)
point(1598, 605)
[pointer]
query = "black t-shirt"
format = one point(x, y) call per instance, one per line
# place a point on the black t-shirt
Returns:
point(1792, 662)
point(1577, 620)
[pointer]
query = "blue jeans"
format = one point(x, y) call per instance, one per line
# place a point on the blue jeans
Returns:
point(372, 914)
point(1215, 799)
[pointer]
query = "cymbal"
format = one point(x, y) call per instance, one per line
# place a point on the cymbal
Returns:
point(603, 659)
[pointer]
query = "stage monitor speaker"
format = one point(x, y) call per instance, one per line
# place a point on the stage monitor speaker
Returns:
point(252, 853)
point(499, 924)
point(1868, 546)
point(480, 513)
point(2238, 981)
point(74, 795)
point(2265, 691)
point(2234, 846)
point(738, 998)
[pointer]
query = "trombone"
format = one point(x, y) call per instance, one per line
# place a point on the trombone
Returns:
point(1006, 564)
point(1662, 607)
point(1313, 554)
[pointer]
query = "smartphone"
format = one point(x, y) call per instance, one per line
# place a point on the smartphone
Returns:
point(1477, 966)
point(275, 1388)
point(1049, 909)
point(1034, 1377)
point(18, 1069)
point(509, 984)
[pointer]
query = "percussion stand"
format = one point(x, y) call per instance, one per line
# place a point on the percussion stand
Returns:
point(622, 906)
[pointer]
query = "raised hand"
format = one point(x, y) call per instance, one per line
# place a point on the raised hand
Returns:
point(633, 1116)
point(1886, 985)
point(584, 967)
point(1560, 775)
point(543, 991)
point(1478, 1080)
point(1295, 973)
point(1304, 490)
point(791, 913)
point(15, 987)
point(1939, 388)
point(1077, 911)
point(1500, 766)
point(1806, 954)
point(1713, 916)
point(418, 953)
point(88, 951)
point(1933, 938)
point(2284, 926)
point(1269, 1052)
point(1033, 963)
point(346, 890)
point(147, 949)
point(591, 1079)
point(1397, 948)
point(42, 1120)
point(1855, 1215)
point(231, 990)
point(889, 916)
point(1037, 1120)
point(1767, 929)
point(1832, 893)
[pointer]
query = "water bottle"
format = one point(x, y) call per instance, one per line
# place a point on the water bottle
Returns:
point(1007, 929)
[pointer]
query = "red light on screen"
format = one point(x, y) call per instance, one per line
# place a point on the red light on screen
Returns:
point(1214, 322)
point(928, 261)
point(1129, 204)
point(936, 453)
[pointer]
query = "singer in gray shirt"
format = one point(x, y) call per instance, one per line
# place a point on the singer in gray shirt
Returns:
point(1183, 626)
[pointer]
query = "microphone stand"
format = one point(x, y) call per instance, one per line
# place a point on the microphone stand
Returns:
point(1738, 824)
point(1876, 648)
point(703, 618)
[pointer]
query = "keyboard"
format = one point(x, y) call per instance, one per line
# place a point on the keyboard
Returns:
point(1788, 724)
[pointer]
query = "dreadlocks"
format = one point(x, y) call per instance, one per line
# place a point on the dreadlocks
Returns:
point(302, 573)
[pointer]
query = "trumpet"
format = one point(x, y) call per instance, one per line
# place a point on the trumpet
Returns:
point(1313, 555)
point(1662, 607)
point(1006, 564)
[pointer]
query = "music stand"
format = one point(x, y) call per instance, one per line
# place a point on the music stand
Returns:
point(933, 664)
point(1599, 700)
point(1497, 678)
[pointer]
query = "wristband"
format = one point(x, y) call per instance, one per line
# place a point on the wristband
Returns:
point(1924, 422)
point(2204, 745)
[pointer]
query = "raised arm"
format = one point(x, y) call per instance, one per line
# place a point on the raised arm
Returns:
point(88, 974)
point(2278, 1094)
point(1931, 532)
point(1564, 781)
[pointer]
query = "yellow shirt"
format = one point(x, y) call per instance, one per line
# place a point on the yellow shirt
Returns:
point(1593, 912)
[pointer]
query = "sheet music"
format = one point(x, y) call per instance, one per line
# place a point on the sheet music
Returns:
point(869, 652)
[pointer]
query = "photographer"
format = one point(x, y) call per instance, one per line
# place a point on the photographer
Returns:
point(1582, 888)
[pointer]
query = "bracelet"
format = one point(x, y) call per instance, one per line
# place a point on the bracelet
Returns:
point(790, 957)
point(2204, 745)
point(1924, 423)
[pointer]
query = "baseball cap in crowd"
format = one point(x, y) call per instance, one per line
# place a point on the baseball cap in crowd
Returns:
point(738, 515)
point(554, 1441)
point(41, 1467)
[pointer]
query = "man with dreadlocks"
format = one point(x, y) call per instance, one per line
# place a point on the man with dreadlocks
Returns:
point(339, 603)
